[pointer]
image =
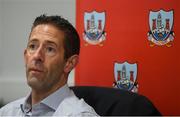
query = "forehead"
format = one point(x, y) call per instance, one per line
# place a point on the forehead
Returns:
point(47, 32)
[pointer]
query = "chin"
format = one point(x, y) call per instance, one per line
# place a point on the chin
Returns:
point(34, 83)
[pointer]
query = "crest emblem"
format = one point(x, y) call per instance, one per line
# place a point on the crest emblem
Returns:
point(161, 24)
point(126, 76)
point(94, 24)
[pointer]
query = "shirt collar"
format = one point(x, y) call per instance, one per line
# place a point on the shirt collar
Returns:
point(51, 101)
point(26, 106)
point(57, 97)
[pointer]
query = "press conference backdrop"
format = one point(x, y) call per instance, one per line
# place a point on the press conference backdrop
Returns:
point(128, 43)
point(123, 43)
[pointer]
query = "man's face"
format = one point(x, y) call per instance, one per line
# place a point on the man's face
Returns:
point(44, 57)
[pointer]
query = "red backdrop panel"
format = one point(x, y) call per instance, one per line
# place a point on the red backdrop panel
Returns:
point(126, 27)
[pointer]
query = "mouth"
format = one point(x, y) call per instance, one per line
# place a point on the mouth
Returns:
point(35, 70)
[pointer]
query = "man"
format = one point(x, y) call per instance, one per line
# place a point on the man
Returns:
point(52, 52)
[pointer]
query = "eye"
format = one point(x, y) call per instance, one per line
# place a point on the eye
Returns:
point(32, 47)
point(50, 50)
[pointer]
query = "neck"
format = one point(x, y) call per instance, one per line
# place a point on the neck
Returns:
point(39, 94)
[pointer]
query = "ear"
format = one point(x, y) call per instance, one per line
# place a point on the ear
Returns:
point(71, 63)
point(25, 55)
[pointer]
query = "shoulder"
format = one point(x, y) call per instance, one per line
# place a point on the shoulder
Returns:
point(12, 107)
point(73, 106)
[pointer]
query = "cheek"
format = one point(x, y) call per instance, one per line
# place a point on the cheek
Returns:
point(27, 58)
point(56, 65)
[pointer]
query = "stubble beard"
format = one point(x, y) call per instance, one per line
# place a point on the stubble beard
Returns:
point(47, 82)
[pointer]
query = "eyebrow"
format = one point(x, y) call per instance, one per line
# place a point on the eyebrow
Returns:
point(51, 42)
point(33, 40)
point(47, 41)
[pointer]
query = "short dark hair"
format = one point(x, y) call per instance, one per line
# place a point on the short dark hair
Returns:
point(71, 42)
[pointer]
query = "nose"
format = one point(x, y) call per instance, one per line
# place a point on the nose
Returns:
point(38, 56)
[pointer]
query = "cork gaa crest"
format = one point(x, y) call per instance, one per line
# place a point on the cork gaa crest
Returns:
point(125, 76)
point(94, 23)
point(161, 24)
